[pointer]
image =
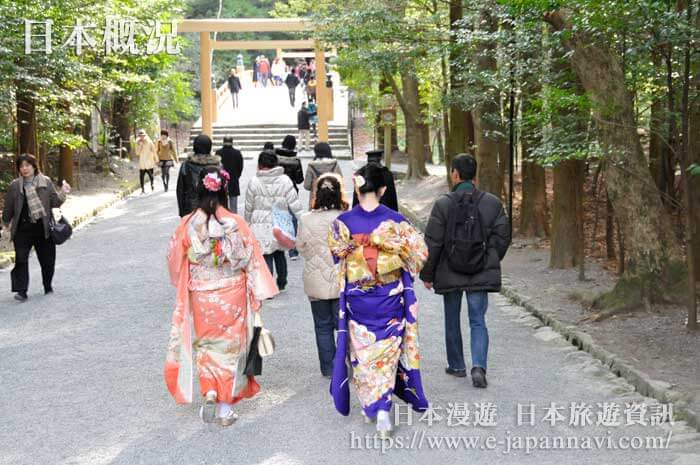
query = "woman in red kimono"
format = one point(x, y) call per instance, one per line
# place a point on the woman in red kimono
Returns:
point(221, 279)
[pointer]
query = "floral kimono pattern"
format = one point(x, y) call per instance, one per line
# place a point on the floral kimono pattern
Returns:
point(377, 323)
point(220, 276)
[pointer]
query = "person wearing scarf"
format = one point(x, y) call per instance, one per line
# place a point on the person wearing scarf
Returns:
point(28, 204)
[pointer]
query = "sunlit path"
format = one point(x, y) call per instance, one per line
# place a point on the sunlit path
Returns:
point(81, 373)
point(270, 105)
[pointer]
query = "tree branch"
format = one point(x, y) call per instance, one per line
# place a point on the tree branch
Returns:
point(397, 92)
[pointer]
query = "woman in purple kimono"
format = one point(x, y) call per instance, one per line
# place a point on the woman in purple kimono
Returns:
point(377, 252)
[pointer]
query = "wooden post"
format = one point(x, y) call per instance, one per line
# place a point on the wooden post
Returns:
point(321, 94)
point(388, 120)
point(214, 105)
point(387, 144)
point(66, 164)
point(205, 82)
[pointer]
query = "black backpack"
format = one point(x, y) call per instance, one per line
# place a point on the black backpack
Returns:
point(466, 237)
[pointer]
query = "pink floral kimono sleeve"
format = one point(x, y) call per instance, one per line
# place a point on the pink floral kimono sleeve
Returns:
point(178, 362)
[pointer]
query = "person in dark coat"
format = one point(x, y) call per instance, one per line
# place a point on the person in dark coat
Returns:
point(389, 198)
point(188, 178)
point(287, 159)
point(292, 82)
point(232, 161)
point(28, 203)
point(304, 125)
point(437, 273)
point(234, 86)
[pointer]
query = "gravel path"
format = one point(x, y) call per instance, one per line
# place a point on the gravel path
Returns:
point(81, 375)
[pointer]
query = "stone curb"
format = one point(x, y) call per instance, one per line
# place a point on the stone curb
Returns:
point(643, 383)
point(9, 259)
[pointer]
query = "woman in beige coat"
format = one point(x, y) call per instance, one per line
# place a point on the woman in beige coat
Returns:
point(320, 283)
point(148, 157)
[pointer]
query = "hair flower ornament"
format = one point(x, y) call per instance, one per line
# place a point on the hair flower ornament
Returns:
point(212, 182)
point(359, 180)
point(226, 176)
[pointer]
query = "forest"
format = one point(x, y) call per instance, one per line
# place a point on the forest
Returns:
point(595, 104)
point(598, 100)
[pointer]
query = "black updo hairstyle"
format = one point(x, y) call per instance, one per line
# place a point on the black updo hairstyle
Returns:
point(331, 197)
point(374, 178)
point(207, 200)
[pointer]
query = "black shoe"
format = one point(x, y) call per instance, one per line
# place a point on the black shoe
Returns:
point(21, 296)
point(48, 290)
point(479, 377)
point(456, 373)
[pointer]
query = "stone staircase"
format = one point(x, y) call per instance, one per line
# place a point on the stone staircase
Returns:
point(250, 139)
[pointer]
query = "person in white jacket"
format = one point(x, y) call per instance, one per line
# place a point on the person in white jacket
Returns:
point(148, 158)
point(320, 281)
point(270, 188)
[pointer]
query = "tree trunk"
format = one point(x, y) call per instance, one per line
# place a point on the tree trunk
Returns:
point(651, 245)
point(66, 164)
point(487, 116)
point(694, 156)
point(120, 113)
point(659, 152)
point(457, 140)
point(609, 229)
point(26, 121)
point(533, 210)
point(455, 134)
point(566, 214)
point(409, 100)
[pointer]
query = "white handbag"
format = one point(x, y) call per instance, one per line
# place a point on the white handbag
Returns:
point(266, 343)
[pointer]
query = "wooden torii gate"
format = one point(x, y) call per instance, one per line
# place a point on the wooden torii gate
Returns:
point(206, 46)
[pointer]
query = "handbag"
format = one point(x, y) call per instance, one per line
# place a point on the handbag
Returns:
point(262, 345)
point(266, 343)
point(60, 232)
point(253, 362)
point(283, 227)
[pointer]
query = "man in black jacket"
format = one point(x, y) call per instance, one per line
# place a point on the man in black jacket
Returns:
point(232, 161)
point(437, 273)
point(188, 178)
point(304, 125)
point(288, 160)
point(234, 86)
point(292, 82)
point(389, 198)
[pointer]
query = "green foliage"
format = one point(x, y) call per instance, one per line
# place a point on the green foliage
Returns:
point(66, 87)
point(694, 169)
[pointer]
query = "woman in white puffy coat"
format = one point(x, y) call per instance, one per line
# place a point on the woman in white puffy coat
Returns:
point(320, 281)
point(270, 187)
